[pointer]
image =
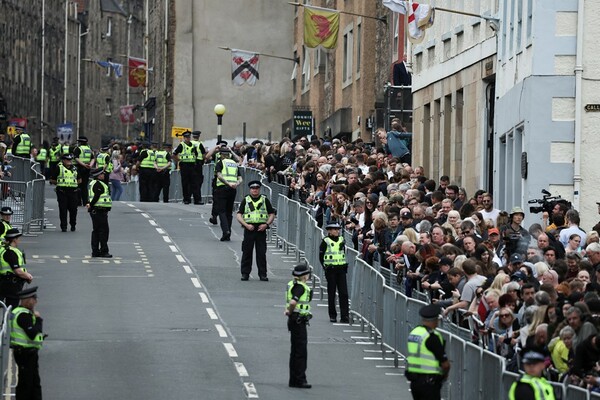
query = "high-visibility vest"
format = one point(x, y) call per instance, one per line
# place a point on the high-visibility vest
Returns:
point(542, 389)
point(255, 212)
point(103, 161)
point(55, 153)
point(303, 303)
point(187, 155)
point(148, 162)
point(86, 154)
point(7, 226)
point(197, 144)
point(24, 146)
point(18, 337)
point(65, 149)
point(161, 158)
point(41, 157)
point(66, 177)
point(104, 200)
point(420, 359)
point(334, 255)
point(5, 267)
point(229, 172)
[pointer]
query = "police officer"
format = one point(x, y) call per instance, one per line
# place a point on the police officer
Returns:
point(5, 216)
point(228, 179)
point(26, 339)
point(42, 158)
point(186, 155)
point(13, 273)
point(103, 161)
point(255, 214)
point(65, 149)
point(428, 365)
point(332, 254)
point(532, 386)
point(84, 157)
point(54, 154)
point(22, 145)
point(99, 207)
point(163, 172)
point(147, 173)
point(297, 308)
point(215, 155)
point(197, 189)
point(66, 181)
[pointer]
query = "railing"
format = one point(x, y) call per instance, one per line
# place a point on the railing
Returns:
point(4, 344)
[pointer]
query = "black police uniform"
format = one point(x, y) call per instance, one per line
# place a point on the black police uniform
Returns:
point(298, 339)
point(252, 239)
point(148, 177)
point(83, 174)
point(336, 281)
point(164, 176)
point(99, 216)
point(67, 197)
point(201, 152)
point(188, 172)
point(224, 199)
point(11, 283)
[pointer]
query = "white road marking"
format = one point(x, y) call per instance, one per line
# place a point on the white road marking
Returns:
point(173, 249)
point(363, 343)
point(393, 374)
point(196, 282)
point(230, 350)
point(145, 215)
point(180, 258)
point(384, 366)
point(203, 297)
point(130, 205)
point(64, 261)
point(160, 230)
point(241, 369)
point(150, 275)
point(138, 210)
point(187, 269)
point(378, 358)
point(153, 223)
point(167, 239)
point(122, 276)
point(251, 390)
point(35, 256)
point(359, 337)
point(211, 313)
point(67, 256)
point(351, 330)
point(221, 330)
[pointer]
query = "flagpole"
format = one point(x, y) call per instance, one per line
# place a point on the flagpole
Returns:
point(296, 60)
point(460, 12)
point(382, 19)
point(127, 80)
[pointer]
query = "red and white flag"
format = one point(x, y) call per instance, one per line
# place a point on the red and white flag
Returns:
point(244, 67)
point(420, 17)
point(137, 72)
point(126, 115)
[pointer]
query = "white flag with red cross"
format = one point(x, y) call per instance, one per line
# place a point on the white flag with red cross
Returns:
point(244, 67)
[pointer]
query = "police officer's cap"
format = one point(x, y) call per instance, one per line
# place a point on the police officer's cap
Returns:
point(224, 150)
point(187, 134)
point(13, 233)
point(6, 211)
point(196, 133)
point(301, 269)
point(27, 293)
point(254, 184)
point(167, 145)
point(67, 157)
point(154, 143)
point(97, 172)
point(82, 139)
point(105, 148)
point(222, 143)
point(334, 225)
point(533, 357)
point(430, 312)
point(55, 139)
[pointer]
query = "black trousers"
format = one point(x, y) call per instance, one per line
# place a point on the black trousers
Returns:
point(29, 386)
point(188, 181)
point(147, 184)
point(224, 199)
point(299, 352)
point(100, 231)
point(68, 200)
point(197, 189)
point(84, 174)
point(164, 184)
point(251, 240)
point(52, 168)
point(426, 389)
point(9, 287)
point(336, 280)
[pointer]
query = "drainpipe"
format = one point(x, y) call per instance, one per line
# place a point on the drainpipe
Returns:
point(578, 106)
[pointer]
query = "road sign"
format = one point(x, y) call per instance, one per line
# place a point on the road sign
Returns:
point(176, 131)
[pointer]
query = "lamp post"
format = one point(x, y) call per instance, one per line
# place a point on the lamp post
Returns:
point(220, 111)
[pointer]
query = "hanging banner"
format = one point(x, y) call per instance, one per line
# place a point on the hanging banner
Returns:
point(126, 114)
point(303, 123)
point(244, 67)
point(137, 72)
point(64, 133)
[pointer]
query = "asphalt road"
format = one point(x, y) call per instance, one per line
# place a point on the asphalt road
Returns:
point(169, 318)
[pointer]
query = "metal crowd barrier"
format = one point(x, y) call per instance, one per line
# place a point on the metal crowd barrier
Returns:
point(4, 344)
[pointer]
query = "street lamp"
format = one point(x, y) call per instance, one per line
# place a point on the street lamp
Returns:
point(220, 111)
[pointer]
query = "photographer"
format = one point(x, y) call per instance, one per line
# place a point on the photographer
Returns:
point(516, 238)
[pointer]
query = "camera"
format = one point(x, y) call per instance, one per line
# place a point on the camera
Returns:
point(547, 203)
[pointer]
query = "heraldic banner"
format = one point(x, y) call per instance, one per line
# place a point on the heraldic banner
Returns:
point(321, 27)
point(244, 67)
point(137, 72)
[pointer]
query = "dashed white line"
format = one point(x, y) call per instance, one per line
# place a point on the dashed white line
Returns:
point(167, 239)
point(221, 330)
point(211, 313)
point(153, 223)
point(203, 297)
point(230, 350)
point(187, 269)
point(138, 210)
point(241, 370)
point(63, 261)
point(251, 390)
point(145, 215)
point(173, 249)
point(160, 230)
point(196, 282)
point(180, 258)
point(130, 205)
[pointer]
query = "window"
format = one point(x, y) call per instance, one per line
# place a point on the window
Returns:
point(519, 23)
point(108, 27)
point(511, 42)
point(396, 28)
point(305, 69)
point(348, 46)
point(107, 111)
point(358, 46)
point(529, 19)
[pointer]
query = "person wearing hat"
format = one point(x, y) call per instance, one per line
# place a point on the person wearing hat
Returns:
point(26, 339)
point(427, 363)
point(228, 179)
point(99, 207)
point(256, 214)
point(53, 156)
point(532, 385)
point(163, 164)
point(103, 161)
point(297, 309)
point(516, 238)
point(21, 145)
point(186, 155)
point(332, 255)
point(67, 180)
point(13, 273)
point(84, 161)
point(42, 158)
point(5, 215)
point(199, 165)
point(148, 175)
point(215, 154)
